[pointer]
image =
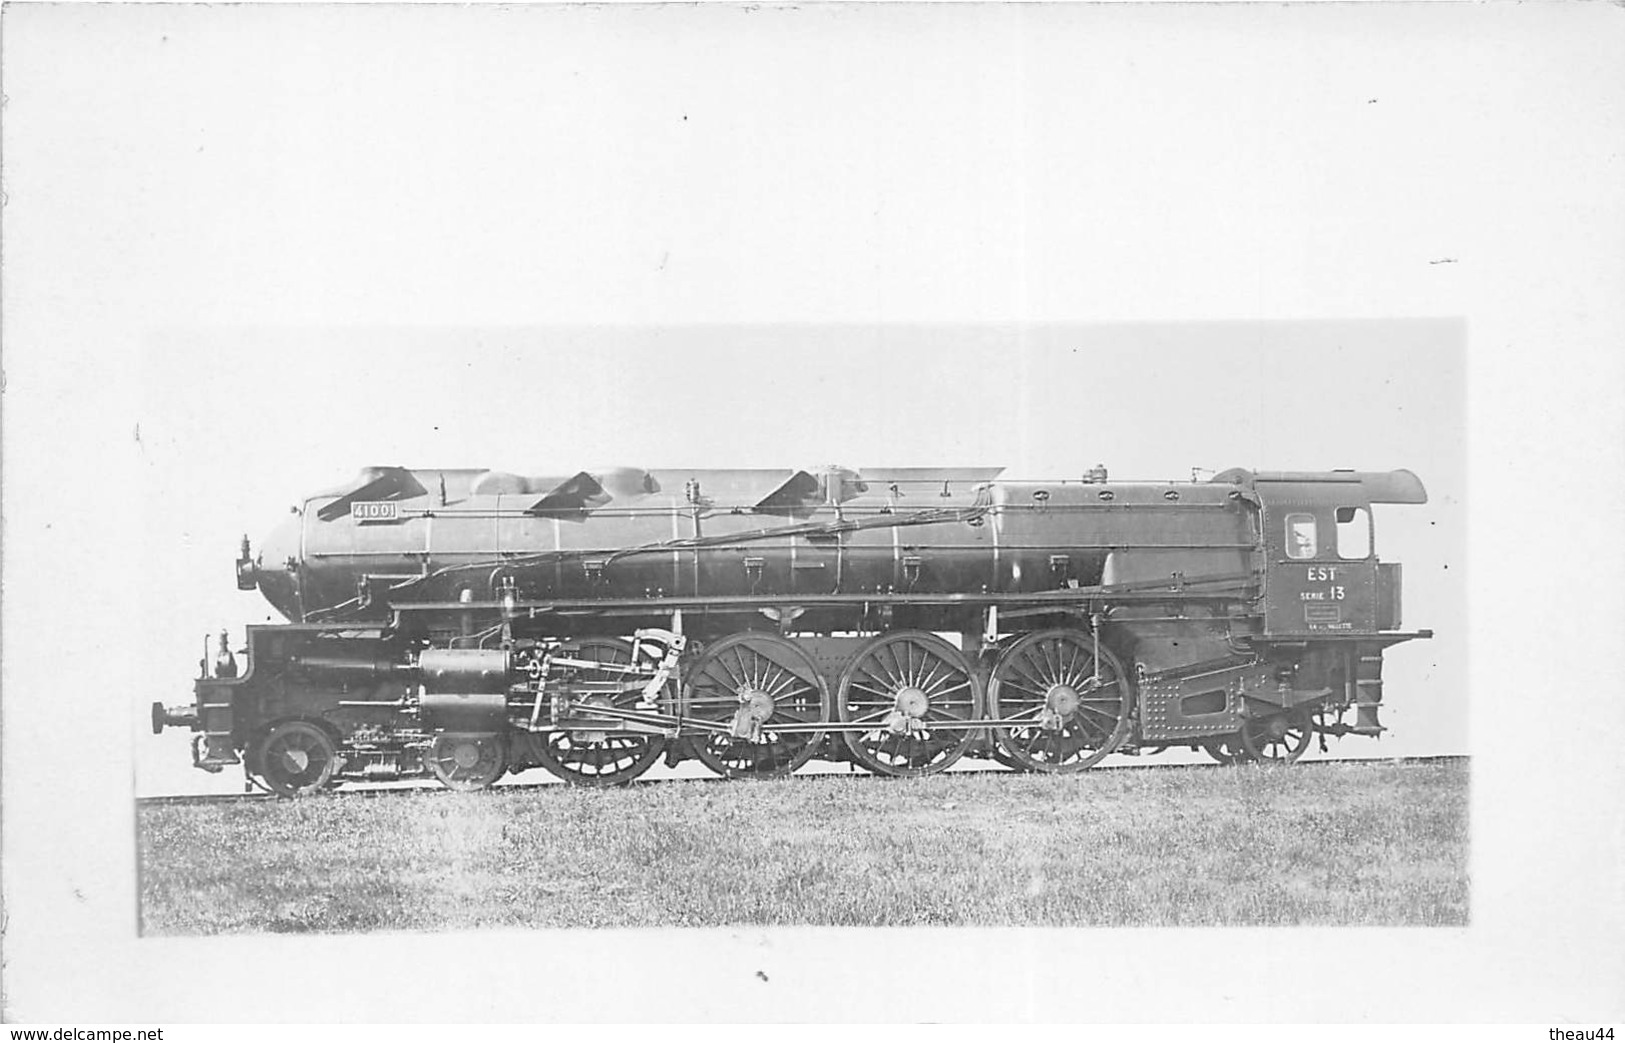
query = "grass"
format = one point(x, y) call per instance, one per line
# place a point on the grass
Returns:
point(1371, 844)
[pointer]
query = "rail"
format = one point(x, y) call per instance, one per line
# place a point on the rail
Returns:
point(419, 789)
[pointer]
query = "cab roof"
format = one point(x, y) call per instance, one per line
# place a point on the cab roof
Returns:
point(1399, 486)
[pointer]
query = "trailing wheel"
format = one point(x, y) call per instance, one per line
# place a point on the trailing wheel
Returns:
point(1058, 708)
point(1222, 749)
point(908, 691)
point(296, 759)
point(466, 760)
point(595, 753)
point(1278, 738)
point(756, 684)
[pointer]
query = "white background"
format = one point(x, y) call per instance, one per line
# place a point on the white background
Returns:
point(284, 243)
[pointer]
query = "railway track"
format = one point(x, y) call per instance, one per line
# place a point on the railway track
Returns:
point(362, 791)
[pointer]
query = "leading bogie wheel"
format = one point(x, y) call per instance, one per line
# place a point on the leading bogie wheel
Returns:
point(466, 760)
point(600, 756)
point(914, 695)
point(1060, 708)
point(1277, 738)
point(757, 684)
point(296, 759)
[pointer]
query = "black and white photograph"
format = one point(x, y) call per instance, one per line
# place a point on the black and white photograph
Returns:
point(887, 513)
point(486, 628)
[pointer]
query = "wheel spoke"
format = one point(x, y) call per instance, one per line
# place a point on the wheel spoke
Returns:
point(1071, 672)
point(789, 684)
point(746, 674)
point(877, 675)
point(1051, 667)
point(903, 668)
point(876, 692)
point(1029, 668)
point(1036, 693)
point(729, 701)
point(734, 681)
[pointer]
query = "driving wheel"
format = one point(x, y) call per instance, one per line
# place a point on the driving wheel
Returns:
point(1059, 707)
point(913, 696)
point(758, 685)
point(596, 753)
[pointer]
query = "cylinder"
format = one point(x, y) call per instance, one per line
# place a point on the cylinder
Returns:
point(464, 711)
point(464, 670)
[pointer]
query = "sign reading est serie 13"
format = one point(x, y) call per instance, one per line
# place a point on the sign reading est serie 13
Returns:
point(1316, 598)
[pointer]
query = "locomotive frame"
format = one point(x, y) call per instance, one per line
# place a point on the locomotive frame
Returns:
point(468, 624)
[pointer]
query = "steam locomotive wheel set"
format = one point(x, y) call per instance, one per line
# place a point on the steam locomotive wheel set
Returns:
point(463, 625)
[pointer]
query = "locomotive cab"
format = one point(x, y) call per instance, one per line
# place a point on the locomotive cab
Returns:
point(1322, 577)
point(1330, 607)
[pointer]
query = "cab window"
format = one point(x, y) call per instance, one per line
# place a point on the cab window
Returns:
point(1300, 536)
point(1353, 532)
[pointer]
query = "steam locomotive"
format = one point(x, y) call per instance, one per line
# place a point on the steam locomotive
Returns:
point(465, 624)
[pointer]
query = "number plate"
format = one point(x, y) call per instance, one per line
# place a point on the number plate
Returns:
point(375, 511)
point(1322, 614)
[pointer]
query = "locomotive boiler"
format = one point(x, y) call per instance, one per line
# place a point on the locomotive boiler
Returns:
point(466, 624)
